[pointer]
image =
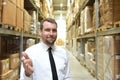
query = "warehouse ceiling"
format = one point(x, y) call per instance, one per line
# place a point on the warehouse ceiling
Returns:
point(60, 8)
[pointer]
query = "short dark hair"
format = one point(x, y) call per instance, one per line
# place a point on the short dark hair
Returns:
point(51, 20)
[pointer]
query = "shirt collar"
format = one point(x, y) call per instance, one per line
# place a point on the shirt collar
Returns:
point(46, 47)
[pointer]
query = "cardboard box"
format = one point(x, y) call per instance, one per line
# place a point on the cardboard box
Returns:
point(88, 18)
point(20, 4)
point(7, 75)
point(13, 1)
point(15, 74)
point(9, 13)
point(4, 65)
point(0, 10)
point(109, 11)
point(100, 66)
point(27, 21)
point(19, 19)
point(14, 60)
point(111, 51)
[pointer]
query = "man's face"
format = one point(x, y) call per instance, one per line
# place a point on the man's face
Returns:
point(49, 33)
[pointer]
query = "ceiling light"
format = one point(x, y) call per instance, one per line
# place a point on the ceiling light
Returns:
point(61, 5)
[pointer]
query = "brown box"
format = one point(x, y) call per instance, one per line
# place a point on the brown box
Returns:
point(0, 10)
point(7, 75)
point(109, 11)
point(0, 5)
point(9, 13)
point(116, 67)
point(4, 65)
point(13, 1)
point(111, 51)
point(27, 21)
point(15, 74)
point(0, 47)
point(88, 19)
point(19, 19)
point(20, 4)
point(14, 60)
point(100, 67)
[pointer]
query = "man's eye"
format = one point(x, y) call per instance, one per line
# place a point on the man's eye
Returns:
point(54, 30)
point(47, 30)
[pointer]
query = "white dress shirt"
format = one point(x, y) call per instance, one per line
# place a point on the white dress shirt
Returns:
point(41, 64)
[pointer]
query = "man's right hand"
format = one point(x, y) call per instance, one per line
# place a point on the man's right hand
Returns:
point(27, 64)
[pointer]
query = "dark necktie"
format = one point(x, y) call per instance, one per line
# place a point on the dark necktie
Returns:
point(52, 63)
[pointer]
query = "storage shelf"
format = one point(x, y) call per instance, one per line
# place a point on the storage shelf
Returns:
point(30, 35)
point(86, 36)
point(30, 5)
point(5, 32)
point(9, 32)
point(111, 31)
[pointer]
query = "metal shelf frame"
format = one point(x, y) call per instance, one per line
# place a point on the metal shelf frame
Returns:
point(113, 31)
point(28, 5)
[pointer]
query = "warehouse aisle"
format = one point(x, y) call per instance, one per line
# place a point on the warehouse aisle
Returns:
point(78, 72)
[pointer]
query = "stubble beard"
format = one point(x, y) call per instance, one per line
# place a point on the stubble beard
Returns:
point(50, 42)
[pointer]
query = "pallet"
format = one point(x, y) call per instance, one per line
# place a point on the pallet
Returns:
point(92, 31)
point(7, 26)
point(103, 28)
point(92, 73)
point(117, 24)
point(18, 29)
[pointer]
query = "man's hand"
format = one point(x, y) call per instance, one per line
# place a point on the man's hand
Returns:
point(27, 64)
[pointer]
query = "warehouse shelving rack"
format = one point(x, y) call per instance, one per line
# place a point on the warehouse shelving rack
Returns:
point(28, 5)
point(22, 36)
point(95, 34)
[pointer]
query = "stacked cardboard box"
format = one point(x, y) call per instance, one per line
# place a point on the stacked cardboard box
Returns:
point(0, 10)
point(90, 56)
point(88, 19)
point(14, 60)
point(4, 65)
point(9, 67)
point(20, 4)
point(9, 13)
point(82, 20)
point(111, 51)
point(27, 21)
point(109, 11)
point(109, 58)
point(7, 76)
point(100, 58)
point(19, 19)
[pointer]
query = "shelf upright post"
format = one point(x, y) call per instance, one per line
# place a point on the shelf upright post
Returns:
point(96, 38)
point(21, 45)
point(37, 26)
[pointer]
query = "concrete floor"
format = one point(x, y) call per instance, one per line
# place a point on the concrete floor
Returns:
point(78, 72)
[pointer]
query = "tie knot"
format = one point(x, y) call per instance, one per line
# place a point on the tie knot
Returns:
point(49, 49)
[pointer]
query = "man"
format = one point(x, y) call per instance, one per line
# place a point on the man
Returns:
point(36, 64)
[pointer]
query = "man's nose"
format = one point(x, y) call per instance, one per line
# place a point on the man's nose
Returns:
point(51, 32)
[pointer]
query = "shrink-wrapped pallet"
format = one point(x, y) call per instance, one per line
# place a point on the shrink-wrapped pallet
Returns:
point(100, 67)
point(111, 53)
point(88, 19)
point(109, 11)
